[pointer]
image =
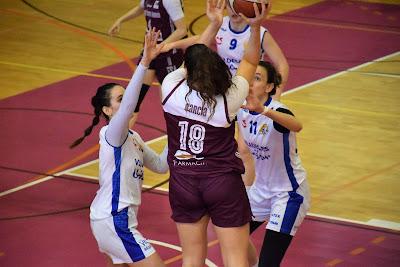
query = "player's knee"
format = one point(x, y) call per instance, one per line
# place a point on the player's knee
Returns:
point(253, 261)
point(193, 262)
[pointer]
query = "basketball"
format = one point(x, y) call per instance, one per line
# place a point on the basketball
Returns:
point(246, 6)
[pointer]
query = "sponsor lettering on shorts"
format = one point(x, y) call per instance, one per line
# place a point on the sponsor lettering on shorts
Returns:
point(145, 244)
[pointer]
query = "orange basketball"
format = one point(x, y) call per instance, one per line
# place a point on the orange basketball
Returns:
point(246, 7)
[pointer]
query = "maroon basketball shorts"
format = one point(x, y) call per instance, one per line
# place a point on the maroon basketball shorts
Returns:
point(221, 197)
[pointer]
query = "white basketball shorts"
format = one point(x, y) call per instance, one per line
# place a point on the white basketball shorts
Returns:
point(121, 243)
point(284, 211)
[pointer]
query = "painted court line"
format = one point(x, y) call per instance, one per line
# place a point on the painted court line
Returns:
point(285, 93)
point(18, 188)
point(346, 110)
point(85, 34)
point(56, 170)
point(397, 76)
point(384, 224)
point(333, 262)
point(378, 240)
point(372, 222)
point(177, 248)
point(26, 66)
point(90, 177)
point(324, 195)
point(356, 251)
point(339, 74)
point(47, 178)
point(88, 74)
point(330, 25)
point(180, 256)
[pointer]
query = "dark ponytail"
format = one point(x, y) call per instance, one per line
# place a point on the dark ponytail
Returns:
point(101, 99)
point(274, 76)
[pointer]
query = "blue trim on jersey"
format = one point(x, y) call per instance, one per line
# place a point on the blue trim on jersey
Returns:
point(286, 157)
point(292, 209)
point(105, 138)
point(116, 180)
point(265, 104)
point(128, 240)
point(232, 30)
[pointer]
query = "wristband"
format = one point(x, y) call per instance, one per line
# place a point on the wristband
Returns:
point(142, 65)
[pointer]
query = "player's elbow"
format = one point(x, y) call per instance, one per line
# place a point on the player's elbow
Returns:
point(297, 127)
point(163, 167)
point(182, 32)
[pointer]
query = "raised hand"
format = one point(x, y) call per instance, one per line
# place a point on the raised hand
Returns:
point(259, 17)
point(215, 10)
point(253, 104)
point(151, 49)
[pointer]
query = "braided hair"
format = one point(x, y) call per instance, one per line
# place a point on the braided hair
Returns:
point(274, 76)
point(101, 99)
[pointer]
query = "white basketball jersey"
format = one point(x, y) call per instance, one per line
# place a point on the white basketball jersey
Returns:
point(120, 178)
point(231, 44)
point(278, 166)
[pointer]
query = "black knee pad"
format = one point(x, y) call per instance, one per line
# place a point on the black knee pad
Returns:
point(143, 92)
point(274, 248)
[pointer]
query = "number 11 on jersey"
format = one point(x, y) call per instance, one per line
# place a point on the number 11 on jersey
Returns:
point(253, 127)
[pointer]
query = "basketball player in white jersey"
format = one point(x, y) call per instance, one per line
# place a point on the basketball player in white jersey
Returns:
point(230, 43)
point(280, 193)
point(122, 157)
point(200, 102)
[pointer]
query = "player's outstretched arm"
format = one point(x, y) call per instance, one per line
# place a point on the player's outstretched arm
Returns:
point(286, 120)
point(118, 127)
point(215, 14)
point(131, 14)
point(251, 57)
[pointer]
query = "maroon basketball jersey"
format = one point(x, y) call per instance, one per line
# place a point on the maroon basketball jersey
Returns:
point(195, 147)
point(197, 143)
point(158, 17)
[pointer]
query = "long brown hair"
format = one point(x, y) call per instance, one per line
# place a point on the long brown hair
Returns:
point(207, 74)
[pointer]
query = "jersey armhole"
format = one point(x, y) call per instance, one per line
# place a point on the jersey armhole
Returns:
point(262, 42)
point(105, 138)
point(279, 127)
point(226, 109)
point(172, 91)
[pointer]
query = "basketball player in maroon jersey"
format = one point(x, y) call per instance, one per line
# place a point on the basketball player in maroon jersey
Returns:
point(166, 16)
point(200, 102)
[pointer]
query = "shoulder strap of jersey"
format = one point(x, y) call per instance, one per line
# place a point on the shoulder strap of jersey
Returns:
point(226, 109)
point(172, 91)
